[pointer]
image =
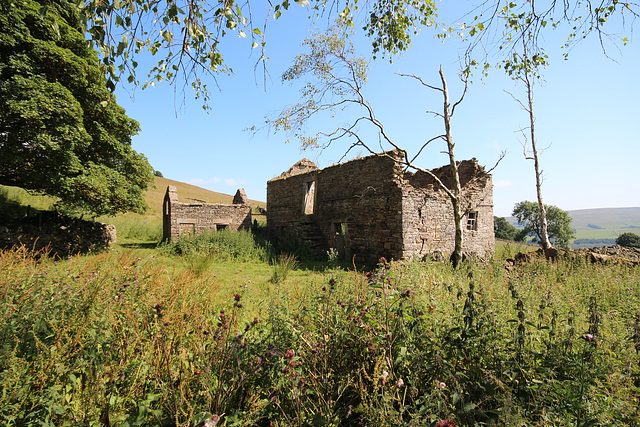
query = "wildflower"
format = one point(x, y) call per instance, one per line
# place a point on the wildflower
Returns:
point(440, 385)
point(212, 421)
point(400, 383)
point(237, 297)
point(383, 376)
point(588, 337)
point(446, 423)
point(289, 354)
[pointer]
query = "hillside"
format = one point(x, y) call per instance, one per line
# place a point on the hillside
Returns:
point(154, 197)
point(187, 193)
point(601, 226)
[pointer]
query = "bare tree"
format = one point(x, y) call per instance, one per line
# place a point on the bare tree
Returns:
point(334, 81)
point(524, 68)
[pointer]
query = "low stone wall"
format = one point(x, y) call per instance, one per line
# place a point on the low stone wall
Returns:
point(57, 235)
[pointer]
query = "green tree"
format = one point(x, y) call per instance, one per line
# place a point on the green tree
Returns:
point(559, 223)
point(631, 240)
point(504, 230)
point(61, 131)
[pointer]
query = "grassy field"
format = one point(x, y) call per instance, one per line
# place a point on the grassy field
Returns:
point(226, 330)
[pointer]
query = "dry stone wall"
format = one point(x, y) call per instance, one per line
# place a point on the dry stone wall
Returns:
point(181, 219)
point(428, 224)
point(369, 207)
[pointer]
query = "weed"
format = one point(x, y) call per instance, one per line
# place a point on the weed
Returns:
point(281, 269)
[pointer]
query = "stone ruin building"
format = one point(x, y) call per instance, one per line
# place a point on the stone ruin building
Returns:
point(179, 219)
point(371, 207)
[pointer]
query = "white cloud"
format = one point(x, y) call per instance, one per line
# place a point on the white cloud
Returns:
point(202, 181)
point(503, 183)
point(234, 182)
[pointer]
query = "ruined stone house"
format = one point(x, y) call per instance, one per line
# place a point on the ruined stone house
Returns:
point(371, 207)
point(180, 219)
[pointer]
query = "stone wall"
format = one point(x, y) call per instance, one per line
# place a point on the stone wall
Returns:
point(357, 207)
point(370, 208)
point(56, 235)
point(181, 219)
point(428, 224)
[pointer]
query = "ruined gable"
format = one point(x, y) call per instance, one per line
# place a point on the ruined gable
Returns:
point(301, 167)
point(428, 224)
point(181, 219)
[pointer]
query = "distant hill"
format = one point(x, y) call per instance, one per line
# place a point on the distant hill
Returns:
point(600, 227)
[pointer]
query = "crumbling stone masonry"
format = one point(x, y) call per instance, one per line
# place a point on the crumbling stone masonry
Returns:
point(370, 207)
point(181, 219)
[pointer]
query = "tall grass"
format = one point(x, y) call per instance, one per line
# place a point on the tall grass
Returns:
point(135, 229)
point(222, 245)
point(112, 339)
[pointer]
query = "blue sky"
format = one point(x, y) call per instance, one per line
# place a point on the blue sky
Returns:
point(587, 119)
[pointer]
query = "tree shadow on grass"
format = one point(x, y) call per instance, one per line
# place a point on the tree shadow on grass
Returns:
point(140, 245)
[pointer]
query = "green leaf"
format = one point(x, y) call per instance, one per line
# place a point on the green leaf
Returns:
point(167, 35)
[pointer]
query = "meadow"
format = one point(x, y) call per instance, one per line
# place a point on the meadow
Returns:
point(229, 330)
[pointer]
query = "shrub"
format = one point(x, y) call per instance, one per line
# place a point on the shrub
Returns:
point(628, 239)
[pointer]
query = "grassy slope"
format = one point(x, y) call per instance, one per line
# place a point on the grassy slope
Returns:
point(135, 228)
point(186, 193)
point(611, 222)
point(154, 197)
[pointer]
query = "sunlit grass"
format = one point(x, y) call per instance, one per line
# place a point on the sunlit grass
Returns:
point(139, 327)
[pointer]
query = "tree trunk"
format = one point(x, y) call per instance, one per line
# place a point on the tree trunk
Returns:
point(544, 227)
point(456, 256)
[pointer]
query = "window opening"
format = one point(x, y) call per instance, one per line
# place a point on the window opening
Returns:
point(221, 227)
point(309, 197)
point(472, 221)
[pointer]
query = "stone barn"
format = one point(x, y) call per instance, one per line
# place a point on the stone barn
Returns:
point(180, 219)
point(371, 207)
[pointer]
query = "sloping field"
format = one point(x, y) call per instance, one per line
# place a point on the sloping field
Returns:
point(187, 193)
point(606, 223)
point(154, 196)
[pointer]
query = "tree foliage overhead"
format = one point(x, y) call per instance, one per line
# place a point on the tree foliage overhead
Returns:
point(187, 36)
point(560, 231)
point(61, 131)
